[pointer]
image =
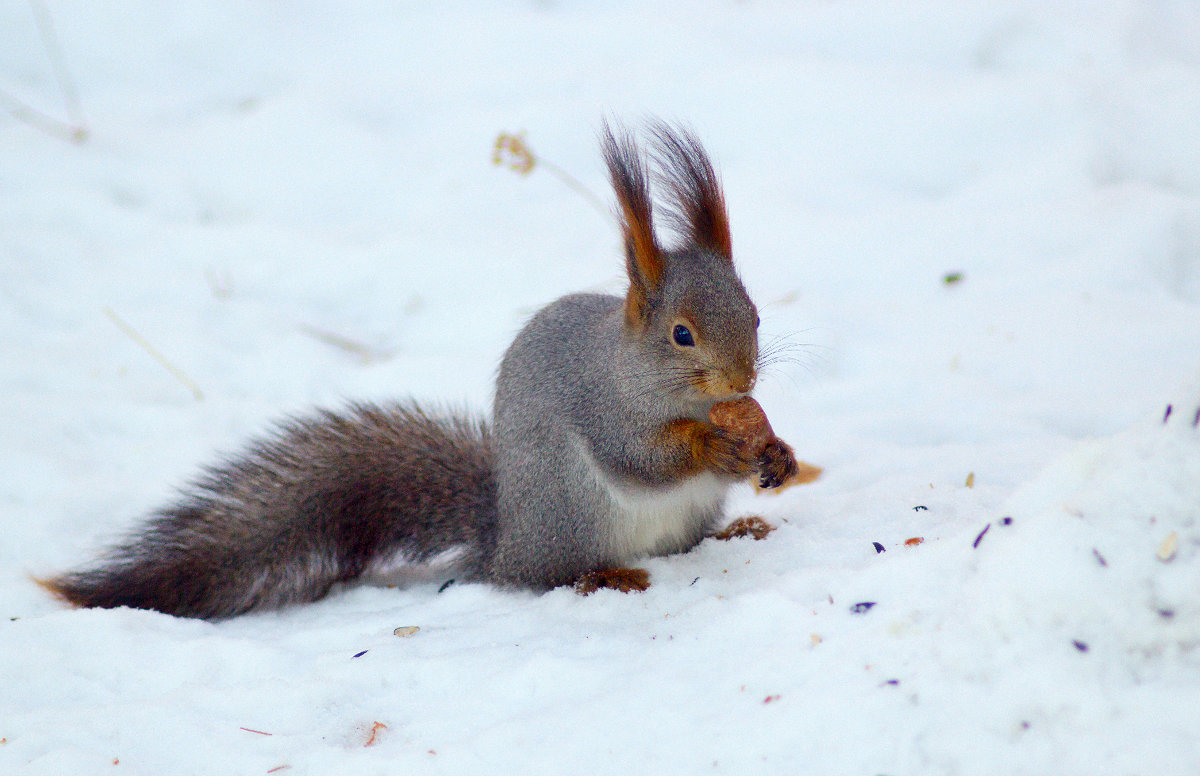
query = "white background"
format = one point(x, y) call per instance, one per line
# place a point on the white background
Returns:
point(255, 171)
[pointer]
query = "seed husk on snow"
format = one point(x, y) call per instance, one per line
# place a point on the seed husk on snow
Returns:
point(1166, 551)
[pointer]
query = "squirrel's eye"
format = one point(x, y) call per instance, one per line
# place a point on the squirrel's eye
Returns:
point(757, 321)
point(683, 336)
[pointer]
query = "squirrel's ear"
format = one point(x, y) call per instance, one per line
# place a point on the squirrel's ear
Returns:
point(643, 257)
point(697, 203)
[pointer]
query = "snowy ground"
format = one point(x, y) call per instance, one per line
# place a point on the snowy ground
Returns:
point(256, 172)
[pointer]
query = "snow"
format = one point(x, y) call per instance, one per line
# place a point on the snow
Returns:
point(255, 172)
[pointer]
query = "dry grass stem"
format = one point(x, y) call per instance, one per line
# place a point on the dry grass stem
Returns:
point(75, 130)
point(145, 345)
point(512, 151)
point(366, 354)
point(40, 121)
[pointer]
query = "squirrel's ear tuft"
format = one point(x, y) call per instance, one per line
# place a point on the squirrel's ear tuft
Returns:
point(697, 203)
point(643, 257)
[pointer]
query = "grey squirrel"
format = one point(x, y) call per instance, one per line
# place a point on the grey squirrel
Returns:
point(600, 450)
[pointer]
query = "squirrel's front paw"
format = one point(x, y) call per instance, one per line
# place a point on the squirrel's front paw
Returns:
point(724, 452)
point(776, 464)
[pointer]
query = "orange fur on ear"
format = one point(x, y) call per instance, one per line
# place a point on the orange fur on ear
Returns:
point(643, 257)
point(695, 189)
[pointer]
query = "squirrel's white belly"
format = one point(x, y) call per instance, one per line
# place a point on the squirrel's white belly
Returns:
point(654, 521)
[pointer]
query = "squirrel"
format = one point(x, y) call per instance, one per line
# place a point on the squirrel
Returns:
point(600, 450)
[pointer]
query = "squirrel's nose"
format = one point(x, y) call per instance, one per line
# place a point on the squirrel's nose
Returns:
point(743, 383)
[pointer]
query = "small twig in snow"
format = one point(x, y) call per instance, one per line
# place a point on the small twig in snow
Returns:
point(153, 352)
point(520, 158)
point(365, 353)
point(40, 121)
point(76, 131)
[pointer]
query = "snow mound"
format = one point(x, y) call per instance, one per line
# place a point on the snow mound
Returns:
point(1078, 615)
point(1103, 547)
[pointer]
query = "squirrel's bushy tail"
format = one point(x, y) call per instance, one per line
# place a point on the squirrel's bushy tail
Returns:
point(320, 501)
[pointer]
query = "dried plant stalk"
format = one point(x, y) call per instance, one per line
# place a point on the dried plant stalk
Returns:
point(512, 151)
point(366, 354)
point(145, 345)
point(76, 131)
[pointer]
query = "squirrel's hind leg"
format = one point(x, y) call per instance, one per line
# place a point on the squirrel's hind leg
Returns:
point(751, 525)
point(625, 580)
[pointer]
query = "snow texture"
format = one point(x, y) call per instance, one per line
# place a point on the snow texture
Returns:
point(977, 225)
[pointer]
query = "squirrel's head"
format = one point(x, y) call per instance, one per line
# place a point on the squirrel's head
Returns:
point(686, 306)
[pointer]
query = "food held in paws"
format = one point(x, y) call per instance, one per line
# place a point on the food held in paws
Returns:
point(744, 419)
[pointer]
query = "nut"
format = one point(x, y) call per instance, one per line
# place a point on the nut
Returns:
point(743, 419)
